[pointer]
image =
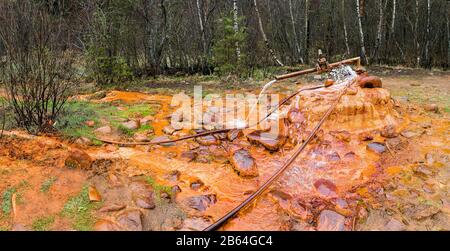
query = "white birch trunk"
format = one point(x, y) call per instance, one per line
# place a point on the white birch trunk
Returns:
point(294, 30)
point(345, 28)
point(306, 50)
point(416, 34)
point(361, 34)
point(236, 28)
point(266, 41)
point(202, 28)
point(394, 14)
point(428, 38)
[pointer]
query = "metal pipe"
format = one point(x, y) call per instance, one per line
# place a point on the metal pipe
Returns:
point(299, 150)
point(356, 60)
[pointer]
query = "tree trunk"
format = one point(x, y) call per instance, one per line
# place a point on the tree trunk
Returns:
point(202, 30)
point(380, 31)
point(347, 47)
point(306, 34)
point(428, 38)
point(361, 34)
point(294, 31)
point(266, 41)
point(236, 28)
point(416, 34)
point(448, 35)
point(394, 14)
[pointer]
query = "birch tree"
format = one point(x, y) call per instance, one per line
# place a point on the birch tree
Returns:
point(202, 30)
point(361, 34)
point(294, 31)
point(266, 41)
point(428, 38)
point(347, 46)
point(306, 33)
point(236, 28)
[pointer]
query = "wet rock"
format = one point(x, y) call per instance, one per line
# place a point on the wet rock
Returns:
point(196, 185)
point(147, 120)
point(83, 141)
point(173, 175)
point(131, 220)
point(270, 142)
point(202, 202)
point(188, 156)
point(176, 189)
point(326, 188)
point(234, 134)
point(329, 82)
point(90, 123)
point(342, 135)
point(295, 116)
point(431, 108)
point(330, 221)
point(376, 147)
point(333, 157)
point(94, 195)
point(341, 207)
point(424, 211)
point(389, 132)
point(106, 225)
point(208, 140)
point(141, 137)
point(78, 159)
point(429, 160)
point(145, 203)
point(409, 134)
point(423, 171)
point(370, 82)
point(171, 155)
point(299, 210)
point(244, 163)
point(169, 130)
point(132, 125)
point(365, 136)
point(103, 130)
point(161, 139)
point(394, 225)
point(350, 156)
point(142, 194)
point(111, 208)
point(20, 227)
point(193, 145)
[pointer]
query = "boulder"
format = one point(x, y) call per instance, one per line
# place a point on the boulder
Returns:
point(208, 140)
point(131, 220)
point(295, 116)
point(244, 163)
point(169, 130)
point(394, 225)
point(234, 134)
point(106, 225)
point(431, 108)
point(132, 125)
point(270, 142)
point(370, 82)
point(202, 202)
point(78, 159)
point(330, 221)
point(94, 195)
point(376, 147)
point(326, 188)
point(111, 208)
point(389, 131)
point(103, 130)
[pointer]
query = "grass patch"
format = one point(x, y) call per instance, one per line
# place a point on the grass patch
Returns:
point(157, 187)
point(7, 200)
point(80, 210)
point(72, 123)
point(46, 185)
point(43, 223)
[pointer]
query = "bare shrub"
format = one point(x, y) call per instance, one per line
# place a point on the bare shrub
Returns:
point(38, 70)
